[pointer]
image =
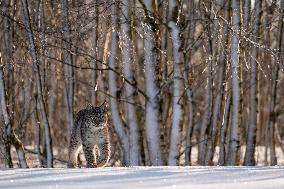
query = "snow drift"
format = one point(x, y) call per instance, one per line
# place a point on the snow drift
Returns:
point(145, 177)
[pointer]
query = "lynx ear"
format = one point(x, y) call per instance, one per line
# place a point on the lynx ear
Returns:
point(103, 105)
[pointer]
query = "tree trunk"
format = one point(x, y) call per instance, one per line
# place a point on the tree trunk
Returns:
point(68, 66)
point(273, 95)
point(9, 135)
point(7, 59)
point(224, 128)
point(234, 130)
point(246, 16)
point(175, 32)
point(206, 122)
point(8, 8)
point(187, 84)
point(152, 91)
point(251, 134)
point(134, 148)
point(220, 90)
point(36, 123)
point(95, 54)
point(112, 83)
point(7, 130)
point(20, 151)
point(32, 47)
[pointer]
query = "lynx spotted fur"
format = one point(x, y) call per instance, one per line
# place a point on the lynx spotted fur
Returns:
point(90, 131)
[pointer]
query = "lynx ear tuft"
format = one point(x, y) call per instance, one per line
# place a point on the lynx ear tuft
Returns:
point(103, 105)
point(89, 106)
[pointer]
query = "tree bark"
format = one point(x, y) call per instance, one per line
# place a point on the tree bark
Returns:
point(187, 84)
point(234, 130)
point(95, 46)
point(68, 66)
point(7, 29)
point(134, 148)
point(175, 32)
point(7, 130)
point(152, 91)
point(246, 17)
point(9, 135)
point(273, 93)
point(8, 10)
point(112, 83)
point(220, 90)
point(223, 129)
point(251, 134)
point(32, 48)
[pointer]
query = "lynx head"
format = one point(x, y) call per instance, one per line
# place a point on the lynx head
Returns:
point(98, 115)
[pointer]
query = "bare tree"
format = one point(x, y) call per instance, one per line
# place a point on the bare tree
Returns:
point(7, 130)
point(206, 122)
point(224, 128)
point(220, 88)
point(234, 130)
point(152, 91)
point(7, 57)
point(68, 63)
point(251, 134)
point(112, 83)
point(187, 84)
point(177, 76)
point(9, 135)
point(273, 92)
point(134, 148)
point(95, 49)
point(31, 42)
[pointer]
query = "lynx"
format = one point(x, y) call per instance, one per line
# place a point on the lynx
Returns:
point(90, 131)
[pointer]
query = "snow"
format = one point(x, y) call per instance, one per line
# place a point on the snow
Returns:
point(144, 177)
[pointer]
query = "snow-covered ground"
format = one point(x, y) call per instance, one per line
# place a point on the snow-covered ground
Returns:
point(145, 177)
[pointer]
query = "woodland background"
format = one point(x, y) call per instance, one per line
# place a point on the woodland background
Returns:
point(176, 75)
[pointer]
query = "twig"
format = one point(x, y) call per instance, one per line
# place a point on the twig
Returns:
point(33, 152)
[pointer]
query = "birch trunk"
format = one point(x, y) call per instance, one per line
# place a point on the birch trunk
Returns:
point(251, 134)
point(189, 129)
point(244, 59)
point(223, 130)
point(134, 148)
point(174, 140)
point(95, 53)
point(273, 93)
point(9, 10)
point(152, 91)
point(68, 66)
point(7, 58)
point(32, 48)
point(206, 122)
point(220, 90)
point(7, 130)
point(9, 135)
point(20, 151)
point(165, 101)
point(246, 17)
point(112, 83)
point(187, 83)
point(234, 130)
point(38, 136)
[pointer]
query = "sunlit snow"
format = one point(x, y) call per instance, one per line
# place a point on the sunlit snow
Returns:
point(145, 177)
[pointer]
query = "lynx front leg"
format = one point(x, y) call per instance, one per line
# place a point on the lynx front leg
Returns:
point(103, 154)
point(74, 148)
point(75, 145)
point(89, 155)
